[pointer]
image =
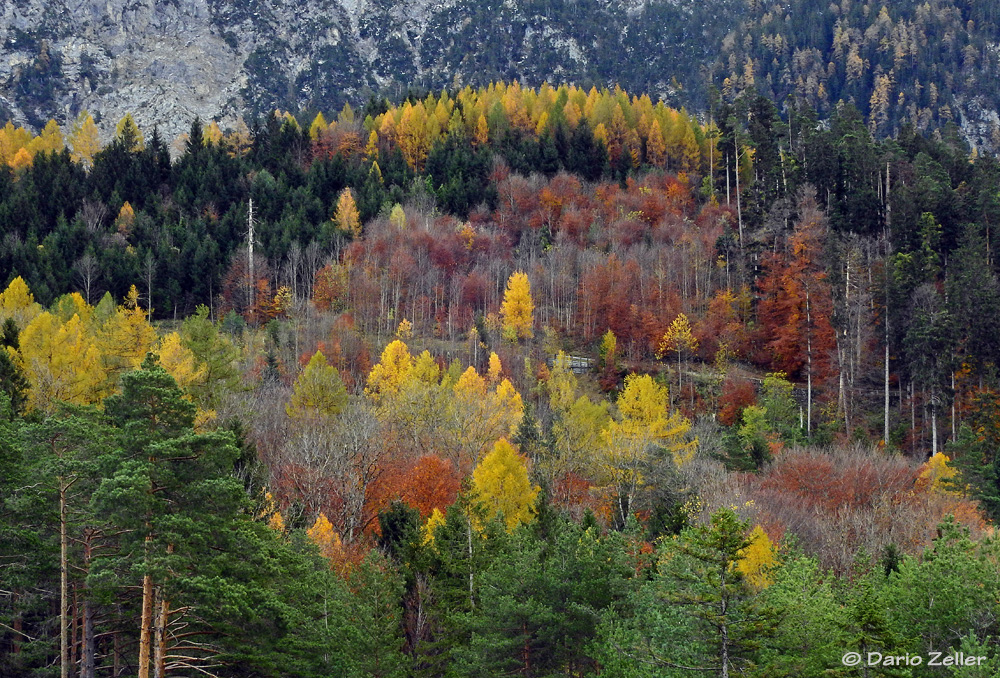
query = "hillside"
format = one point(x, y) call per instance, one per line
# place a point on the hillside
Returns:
point(168, 62)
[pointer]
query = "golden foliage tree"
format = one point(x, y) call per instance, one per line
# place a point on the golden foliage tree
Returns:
point(85, 139)
point(758, 559)
point(125, 338)
point(61, 361)
point(644, 423)
point(390, 372)
point(179, 361)
point(18, 302)
point(678, 338)
point(125, 220)
point(501, 483)
point(346, 216)
point(517, 308)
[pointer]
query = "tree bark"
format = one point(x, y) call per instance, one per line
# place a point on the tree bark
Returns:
point(146, 626)
point(63, 583)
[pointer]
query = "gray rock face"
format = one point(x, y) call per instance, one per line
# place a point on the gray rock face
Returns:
point(169, 61)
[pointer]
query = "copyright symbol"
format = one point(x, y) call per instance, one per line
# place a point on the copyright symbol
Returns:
point(851, 659)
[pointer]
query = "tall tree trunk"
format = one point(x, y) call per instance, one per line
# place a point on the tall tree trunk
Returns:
point(160, 647)
point(146, 626)
point(88, 649)
point(954, 397)
point(63, 583)
point(934, 434)
point(885, 424)
point(809, 369)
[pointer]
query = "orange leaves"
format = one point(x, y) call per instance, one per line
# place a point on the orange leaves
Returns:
point(796, 303)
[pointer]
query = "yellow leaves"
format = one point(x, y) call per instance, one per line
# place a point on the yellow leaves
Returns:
point(212, 135)
point(270, 512)
point(470, 385)
point(645, 422)
point(936, 475)
point(388, 375)
point(326, 538)
point(397, 217)
point(179, 361)
point(656, 148)
point(125, 338)
point(426, 370)
point(318, 126)
point(18, 303)
point(125, 220)
point(371, 148)
point(405, 329)
point(61, 362)
point(434, 520)
point(495, 369)
point(346, 216)
point(517, 308)
point(758, 559)
point(12, 139)
point(412, 135)
point(482, 134)
point(21, 160)
point(501, 484)
point(678, 337)
point(85, 139)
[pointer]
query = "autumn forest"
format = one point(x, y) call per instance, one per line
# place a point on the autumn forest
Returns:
point(500, 381)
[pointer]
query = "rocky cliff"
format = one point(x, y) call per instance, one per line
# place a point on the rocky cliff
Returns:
point(924, 61)
point(168, 61)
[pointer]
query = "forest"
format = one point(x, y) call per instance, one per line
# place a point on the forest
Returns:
point(499, 381)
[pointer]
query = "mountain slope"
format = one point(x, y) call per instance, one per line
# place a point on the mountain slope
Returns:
point(169, 61)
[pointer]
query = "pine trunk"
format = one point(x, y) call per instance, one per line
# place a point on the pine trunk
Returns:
point(146, 626)
point(63, 584)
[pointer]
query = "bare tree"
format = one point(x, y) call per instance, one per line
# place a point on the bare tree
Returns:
point(93, 214)
point(87, 270)
point(149, 270)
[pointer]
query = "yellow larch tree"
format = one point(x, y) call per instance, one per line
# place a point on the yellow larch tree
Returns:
point(678, 338)
point(22, 160)
point(212, 135)
point(18, 302)
point(656, 148)
point(495, 370)
point(125, 220)
point(124, 339)
point(179, 361)
point(388, 375)
point(346, 216)
point(62, 363)
point(318, 127)
point(49, 141)
point(517, 308)
point(758, 559)
point(85, 139)
point(501, 484)
point(12, 140)
point(482, 134)
point(644, 423)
